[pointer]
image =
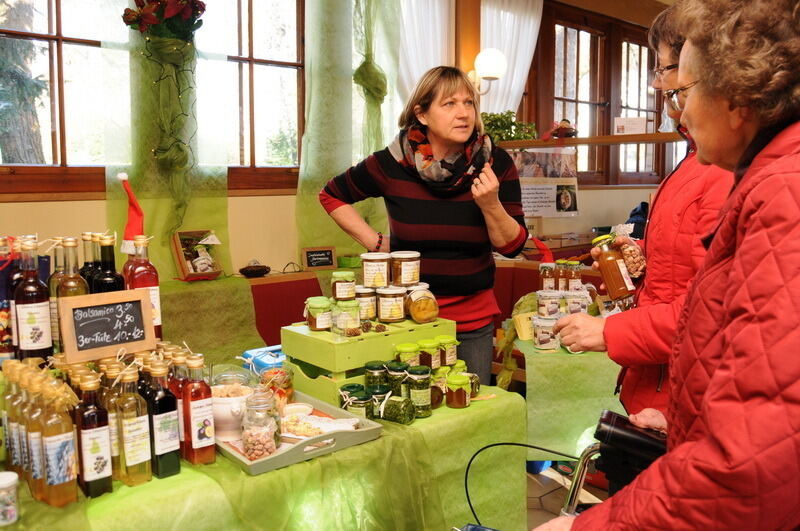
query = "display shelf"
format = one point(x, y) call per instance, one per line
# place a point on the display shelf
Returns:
point(605, 140)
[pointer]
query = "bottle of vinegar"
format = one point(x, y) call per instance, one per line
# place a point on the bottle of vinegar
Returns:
point(32, 302)
point(34, 415)
point(11, 370)
point(109, 403)
point(198, 417)
point(58, 446)
point(179, 376)
point(52, 286)
point(143, 275)
point(88, 252)
point(162, 407)
point(6, 263)
point(94, 440)
point(133, 429)
point(107, 279)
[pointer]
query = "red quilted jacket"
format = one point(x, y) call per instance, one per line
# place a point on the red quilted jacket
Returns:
point(684, 209)
point(734, 417)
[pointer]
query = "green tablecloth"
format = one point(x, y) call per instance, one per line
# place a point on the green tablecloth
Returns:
point(565, 395)
point(412, 477)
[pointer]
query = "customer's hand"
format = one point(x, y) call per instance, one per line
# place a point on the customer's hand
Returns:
point(485, 189)
point(618, 242)
point(581, 331)
point(650, 418)
point(562, 523)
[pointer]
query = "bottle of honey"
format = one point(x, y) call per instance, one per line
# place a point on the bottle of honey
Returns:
point(612, 268)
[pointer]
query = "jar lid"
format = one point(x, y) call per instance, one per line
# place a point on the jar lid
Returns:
point(605, 238)
point(546, 264)
point(444, 370)
point(348, 305)
point(544, 321)
point(428, 343)
point(396, 366)
point(457, 378)
point(392, 290)
point(379, 389)
point(419, 370)
point(343, 275)
point(548, 293)
point(445, 339)
point(573, 263)
point(404, 254)
point(352, 388)
point(318, 302)
point(359, 396)
point(376, 365)
point(8, 479)
point(406, 347)
point(460, 366)
point(362, 289)
point(561, 261)
point(375, 256)
point(418, 285)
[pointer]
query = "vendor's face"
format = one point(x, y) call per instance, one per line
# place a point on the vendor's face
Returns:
point(450, 120)
point(668, 79)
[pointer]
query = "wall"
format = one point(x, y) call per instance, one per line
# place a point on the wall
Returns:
point(598, 208)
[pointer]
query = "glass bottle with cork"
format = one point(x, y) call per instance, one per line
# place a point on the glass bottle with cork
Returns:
point(162, 408)
point(72, 282)
point(107, 279)
point(10, 370)
point(34, 422)
point(58, 447)
point(133, 430)
point(87, 268)
point(143, 275)
point(28, 409)
point(612, 268)
point(176, 381)
point(109, 403)
point(32, 303)
point(94, 440)
point(52, 286)
point(198, 417)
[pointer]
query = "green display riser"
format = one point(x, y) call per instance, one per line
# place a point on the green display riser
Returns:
point(335, 355)
point(320, 384)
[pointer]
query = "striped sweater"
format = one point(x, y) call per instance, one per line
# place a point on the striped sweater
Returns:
point(450, 233)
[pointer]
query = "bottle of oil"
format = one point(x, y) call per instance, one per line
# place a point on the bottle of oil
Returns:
point(94, 442)
point(18, 428)
point(58, 446)
point(35, 414)
point(110, 395)
point(25, 412)
point(133, 428)
point(162, 407)
point(198, 417)
point(11, 370)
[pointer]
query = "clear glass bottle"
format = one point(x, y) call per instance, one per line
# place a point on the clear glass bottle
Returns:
point(261, 426)
point(52, 286)
point(10, 370)
point(162, 408)
point(198, 417)
point(133, 430)
point(180, 374)
point(58, 446)
point(109, 403)
point(143, 275)
point(19, 404)
point(72, 282)
point(36, 482)
point(32, 302)
point(33, 389)
point(107, 279)
point(87, 268)
point(94, 440)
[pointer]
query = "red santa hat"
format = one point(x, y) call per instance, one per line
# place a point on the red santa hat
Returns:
point(135, 224)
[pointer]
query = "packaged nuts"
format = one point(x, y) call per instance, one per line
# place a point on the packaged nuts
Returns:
point(634, 260)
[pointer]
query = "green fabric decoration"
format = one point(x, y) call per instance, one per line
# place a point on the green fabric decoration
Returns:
point(369, 75)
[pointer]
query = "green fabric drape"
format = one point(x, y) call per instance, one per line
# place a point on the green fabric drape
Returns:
point(369, 75)
point(327, 143)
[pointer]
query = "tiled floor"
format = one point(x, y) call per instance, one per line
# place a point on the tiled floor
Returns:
point(547, 492)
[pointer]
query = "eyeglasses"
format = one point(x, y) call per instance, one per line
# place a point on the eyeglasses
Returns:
point(674, 98)
point(659, 72)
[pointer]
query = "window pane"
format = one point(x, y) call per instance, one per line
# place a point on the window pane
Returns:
point(25, 104)
point(570, 71)
point(96, 114)
point(633, 75)
point(275, 30)
point(25, 15)
point(559, 76)
point(585, 67)
point(223, 129)
point(100, 22)
point(624, 82)
point(221, 28)
point(275, 116)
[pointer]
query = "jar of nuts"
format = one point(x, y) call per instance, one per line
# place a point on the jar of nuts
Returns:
point(261, 426)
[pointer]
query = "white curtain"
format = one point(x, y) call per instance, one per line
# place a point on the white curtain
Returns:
point(427, 39)
point(511, 26)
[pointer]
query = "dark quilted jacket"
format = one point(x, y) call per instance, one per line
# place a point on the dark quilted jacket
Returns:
point(734, 415)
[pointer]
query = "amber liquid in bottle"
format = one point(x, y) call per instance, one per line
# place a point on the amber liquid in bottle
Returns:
point(19, 403)
point(107, 279)
point(614, 273)
point(198, 419)
point(143, 275)
point(10, 422)
point(58, 443)
point(32, 303)
point(52, 286)
point(94, 442)
point(175, 384)
point(109, 400)
point(133, 428)
point(36, 481)
point(162, 407)
point(72, 282)
point(26, 412)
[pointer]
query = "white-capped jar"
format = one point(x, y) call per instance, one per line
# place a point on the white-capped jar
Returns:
point(375, 269)
point(390, 304)
point(405, 268)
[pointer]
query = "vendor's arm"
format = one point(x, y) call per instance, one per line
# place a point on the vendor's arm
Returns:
point(497, 193)
point(350, 221)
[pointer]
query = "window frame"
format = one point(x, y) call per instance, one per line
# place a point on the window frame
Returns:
point(61, 181)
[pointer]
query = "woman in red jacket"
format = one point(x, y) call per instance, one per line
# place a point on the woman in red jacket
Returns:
point(684, 209)
point(734, 415)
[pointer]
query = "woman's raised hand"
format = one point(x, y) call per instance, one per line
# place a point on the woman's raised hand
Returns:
point(486, 188)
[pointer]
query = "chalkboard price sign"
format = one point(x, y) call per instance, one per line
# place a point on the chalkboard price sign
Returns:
point(314, 258)
point(97, 326)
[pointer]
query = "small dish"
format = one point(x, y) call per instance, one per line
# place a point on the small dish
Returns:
point(297, 408)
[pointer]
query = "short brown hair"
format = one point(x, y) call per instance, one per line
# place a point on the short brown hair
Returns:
point(443, 81)
point(747, 52)
point(664, 30)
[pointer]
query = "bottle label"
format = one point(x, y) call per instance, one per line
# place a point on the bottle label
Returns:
point(12, 314)
point(562, 284)
point(59, 458)
point(201, 420)
point(366, 308)
point(6, 340)
point(358, 410)
point(625, 276)
point(345, 290)
point(376, 274)
point(113, 433)
point(13, 440)
point(54, 333)
point(155, 304)
point(165, 432)
point(575, 284)
point(23, 446)
point(6, 435)
point(181, 437)
point(35, 450)
point(420, 397)
point(451, 354)
point(390, 308)
point(324, 320)
point(409, 272)
point(549, 283)
point(96, 453)
point(33, 322)
point(136, 440)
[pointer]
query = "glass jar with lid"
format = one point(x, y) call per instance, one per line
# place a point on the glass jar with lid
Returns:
point(547, 276)
point(396, 378)
point(459, 389)
point(419, 390)
point(439, 385)
point(375, 373)
point(612, 268)
point(347, 389)
point(574, 282)
point(367, 303)
point(9, 508)
point(429, 354)
point(420, 304)
point(261, 426)
point(345, 319)
point(561, 275)
point(359, 404)
point(318, 313)
point(408, 353)
point(390, 304)
point(375, 269)
point(458, 367)
point(343, 285)
point(378, 395)
point(448, 348)
point(405, 268)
